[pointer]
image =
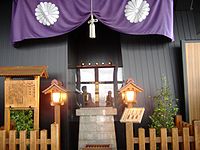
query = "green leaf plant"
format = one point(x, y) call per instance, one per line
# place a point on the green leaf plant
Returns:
point(165, 108)
point(23, 120)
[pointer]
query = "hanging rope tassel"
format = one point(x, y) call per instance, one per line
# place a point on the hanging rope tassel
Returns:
point(92, 33)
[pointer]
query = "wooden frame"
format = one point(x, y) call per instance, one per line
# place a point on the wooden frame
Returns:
point(191, 73)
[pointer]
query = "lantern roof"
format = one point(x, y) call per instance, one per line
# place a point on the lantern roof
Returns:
point(55, 86)
point(24, 71)
point(130, 85)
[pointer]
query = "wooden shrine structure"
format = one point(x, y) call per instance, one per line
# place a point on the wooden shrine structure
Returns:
point(21, 90)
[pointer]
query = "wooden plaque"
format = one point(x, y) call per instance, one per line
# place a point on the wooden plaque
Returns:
point(21, 93)
point(133, 115)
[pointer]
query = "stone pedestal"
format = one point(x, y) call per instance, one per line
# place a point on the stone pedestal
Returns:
point(96, 126)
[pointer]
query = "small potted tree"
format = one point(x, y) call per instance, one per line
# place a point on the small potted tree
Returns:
point(165, 108)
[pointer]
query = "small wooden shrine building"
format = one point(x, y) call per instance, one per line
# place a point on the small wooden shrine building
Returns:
point(22, 89)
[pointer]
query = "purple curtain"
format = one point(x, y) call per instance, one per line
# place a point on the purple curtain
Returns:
point(73, 13)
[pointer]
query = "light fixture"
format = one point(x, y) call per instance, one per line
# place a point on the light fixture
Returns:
point(58, 93)
point(130, 96)
point(92, 33)
point(129, 92)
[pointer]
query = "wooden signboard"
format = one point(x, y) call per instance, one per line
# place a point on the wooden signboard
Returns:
point(22, 88)
point(133, 115)
point(21, 93)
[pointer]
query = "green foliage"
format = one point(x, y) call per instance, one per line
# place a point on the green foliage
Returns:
point(165, 108)
point(23, 120)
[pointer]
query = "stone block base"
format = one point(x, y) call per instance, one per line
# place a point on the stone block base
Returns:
point(96, 126)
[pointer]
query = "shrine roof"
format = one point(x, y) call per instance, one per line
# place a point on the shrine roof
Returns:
point(24, 71)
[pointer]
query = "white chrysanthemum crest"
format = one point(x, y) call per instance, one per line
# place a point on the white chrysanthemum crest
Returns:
point(47, 13)
point(136, 10)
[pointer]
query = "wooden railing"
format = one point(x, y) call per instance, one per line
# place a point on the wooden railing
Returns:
point(165, 142)
point(9, 140)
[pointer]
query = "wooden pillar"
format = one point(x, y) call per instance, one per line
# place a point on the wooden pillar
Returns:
point(7, 107)
point(57, 114)
point(7, 119)
point(57, 121)
point(129, 133)
point(37, 98)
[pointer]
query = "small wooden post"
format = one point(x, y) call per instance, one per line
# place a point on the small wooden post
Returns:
point(57, 114)
point(57, 119)
point(197, 134)
point(43, 140)
point(178, 121)
point(163, 139)
point(7, 109)
point(34, 135)
point(129, 133)
point(152, 134)
point(55, 134)
point(22, 140)
point(12, 140)
point(7, 119)
point(175, 140)
point(3, 139)
point(141, 139)
point(178, 124)
point(129, 136)
point(186, 139)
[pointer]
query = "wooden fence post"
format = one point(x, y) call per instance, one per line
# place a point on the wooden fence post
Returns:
point(34, 135)
point(55, 140)
point(197, 134)
point(163, 139)
point(152, 135)
point(43, 140)
point(3, 139)
point(129, 136)
point(141, 139)
point(175, 140)
point(178, 123)
point(186, 138)
point(12, 140)
point(22, 140)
